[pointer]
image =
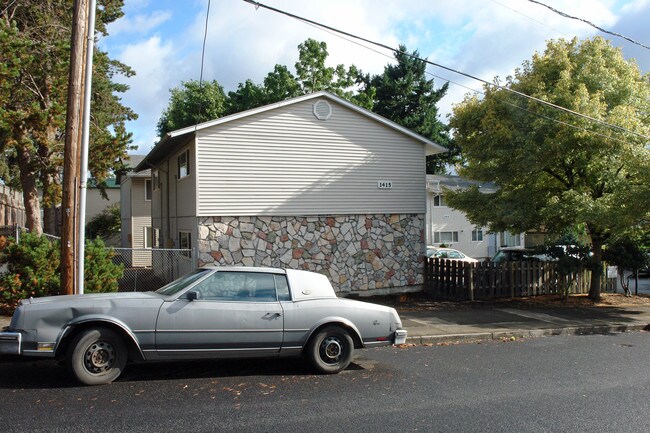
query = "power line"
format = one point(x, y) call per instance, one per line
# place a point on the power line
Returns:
point(565, 15)
point(530, 18)
point(498, 86)
point(205, 38)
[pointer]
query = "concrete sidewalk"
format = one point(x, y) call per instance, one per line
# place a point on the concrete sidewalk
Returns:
point(492, 323)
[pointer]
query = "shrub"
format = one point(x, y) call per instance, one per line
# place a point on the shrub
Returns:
point(100, 273)
point(32, 268)
point(105, 224)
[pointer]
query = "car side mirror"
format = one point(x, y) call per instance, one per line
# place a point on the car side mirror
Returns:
point(193, 295)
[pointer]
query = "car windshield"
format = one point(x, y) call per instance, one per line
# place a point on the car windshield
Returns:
point(181, 283)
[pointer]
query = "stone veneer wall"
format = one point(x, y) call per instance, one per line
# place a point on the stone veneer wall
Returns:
point(361, 254)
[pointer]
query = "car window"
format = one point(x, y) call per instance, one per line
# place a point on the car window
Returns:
point(238, 286)
point(442, 254)
point(282, 287)
point(454, 255)
point(181, 283)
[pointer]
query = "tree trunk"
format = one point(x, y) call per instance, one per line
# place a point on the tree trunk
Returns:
point(49, 207)
point(30, 191)
point(597, 242)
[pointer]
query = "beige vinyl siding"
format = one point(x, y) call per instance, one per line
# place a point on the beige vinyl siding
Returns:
point(183, 190)
point(287, 162)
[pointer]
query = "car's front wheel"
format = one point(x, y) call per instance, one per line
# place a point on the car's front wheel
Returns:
point(97, 356)
point(330, 350)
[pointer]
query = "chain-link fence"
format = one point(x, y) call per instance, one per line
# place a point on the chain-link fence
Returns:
point(10, 231)
point(151, 268)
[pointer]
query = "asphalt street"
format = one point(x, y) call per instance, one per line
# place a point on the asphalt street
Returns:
point(595, 383)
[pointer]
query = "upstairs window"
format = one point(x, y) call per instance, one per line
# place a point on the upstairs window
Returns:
point(147, 190)
point(184, 164)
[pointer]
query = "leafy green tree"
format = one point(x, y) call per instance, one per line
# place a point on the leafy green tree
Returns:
point(34, 62)
point(403, 94)
point(313, 74)
point(106, 223)
point(627, 254)
point(191, 103)
point(554, 169)
point(280, 84)
point(247, 96)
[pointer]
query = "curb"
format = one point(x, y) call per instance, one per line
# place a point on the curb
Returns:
point(532, 333)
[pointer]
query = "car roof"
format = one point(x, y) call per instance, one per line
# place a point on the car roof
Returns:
point(245, 269)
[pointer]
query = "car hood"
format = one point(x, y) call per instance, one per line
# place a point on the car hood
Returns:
point(92, 297)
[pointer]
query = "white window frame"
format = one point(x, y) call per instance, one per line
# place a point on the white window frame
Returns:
point(147, 237)
point(477, 234)
point(185, 244)
point(510, 239)
point(148, 191)
point(438, 237)
point(439, 201)
point(184, 168)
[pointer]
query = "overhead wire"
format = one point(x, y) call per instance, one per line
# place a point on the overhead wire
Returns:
point(565, 15)
point(529, 17)
point(205, 38)
point(495, 85)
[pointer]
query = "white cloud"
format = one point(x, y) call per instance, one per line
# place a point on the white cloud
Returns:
point(157, 70)
point(476, 36)
point(139, 23)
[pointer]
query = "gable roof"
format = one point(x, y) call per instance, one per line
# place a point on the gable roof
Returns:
point(131, 163)
point(176, 139)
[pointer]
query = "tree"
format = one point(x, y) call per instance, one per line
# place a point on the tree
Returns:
point(105, 224)
point(403, 94)
point(278, 85)
point(554, 169)
point(626, 253)
point(192, 103)
point(34, 61)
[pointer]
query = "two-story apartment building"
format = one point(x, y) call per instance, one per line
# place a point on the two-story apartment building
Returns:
point(313, 182)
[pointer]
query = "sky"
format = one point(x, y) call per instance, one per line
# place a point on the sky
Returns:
point(162, 41)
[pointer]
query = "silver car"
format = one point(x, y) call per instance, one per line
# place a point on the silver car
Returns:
point(218, 312)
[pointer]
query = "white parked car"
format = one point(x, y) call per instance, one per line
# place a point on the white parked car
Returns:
point(216, 312)
point(448, 253)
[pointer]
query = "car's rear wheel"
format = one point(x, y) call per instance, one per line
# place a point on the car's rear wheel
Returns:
point(330, 350)
point(97, 356)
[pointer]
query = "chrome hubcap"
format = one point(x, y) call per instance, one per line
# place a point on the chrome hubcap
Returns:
point(331, 349)
point(99, 357)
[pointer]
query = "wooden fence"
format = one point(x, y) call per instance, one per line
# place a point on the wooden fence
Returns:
point(459, 280)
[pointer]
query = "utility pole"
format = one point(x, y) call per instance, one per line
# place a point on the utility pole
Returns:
point(71, 155)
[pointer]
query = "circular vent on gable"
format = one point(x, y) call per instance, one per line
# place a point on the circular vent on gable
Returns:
point(322, 110)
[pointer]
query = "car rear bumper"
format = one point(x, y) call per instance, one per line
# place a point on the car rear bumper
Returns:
point(10, 343)
point(400, 336)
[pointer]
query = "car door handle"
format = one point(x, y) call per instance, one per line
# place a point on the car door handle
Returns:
point(272, 315)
